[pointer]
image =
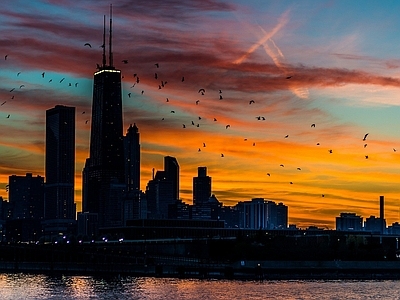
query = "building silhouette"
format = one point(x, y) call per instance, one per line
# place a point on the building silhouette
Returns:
point(60, 163)
point(163, 189)
point(201, 187)
point(26, 197)
point(104, 171)
point(349, 222)
point(132, 159)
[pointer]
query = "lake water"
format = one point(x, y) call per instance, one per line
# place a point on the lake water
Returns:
point(28, 286)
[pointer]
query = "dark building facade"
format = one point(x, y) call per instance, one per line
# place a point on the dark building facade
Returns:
point(132, 158)
point(26, 197)
point(201, 186)
point(104, 171)
point(163, 189)
point(60, 163)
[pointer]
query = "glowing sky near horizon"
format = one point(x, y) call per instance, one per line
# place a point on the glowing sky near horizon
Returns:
point(335, 64)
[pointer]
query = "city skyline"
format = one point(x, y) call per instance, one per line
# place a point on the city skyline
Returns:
point(268, 73)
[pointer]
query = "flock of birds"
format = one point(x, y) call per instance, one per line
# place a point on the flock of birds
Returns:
point(162, 84)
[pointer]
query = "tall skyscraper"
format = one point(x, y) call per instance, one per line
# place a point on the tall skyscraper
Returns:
point(103, 174)
point(171, 168)
point(201, 187)
point(60, 163)
point(132, 159)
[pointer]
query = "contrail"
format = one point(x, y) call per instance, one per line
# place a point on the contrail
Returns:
point(282, 22)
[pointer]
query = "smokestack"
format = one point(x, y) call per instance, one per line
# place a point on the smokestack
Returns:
point(382, 213)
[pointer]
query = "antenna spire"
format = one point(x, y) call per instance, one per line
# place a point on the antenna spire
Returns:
point(110, 41)
point(104, 41)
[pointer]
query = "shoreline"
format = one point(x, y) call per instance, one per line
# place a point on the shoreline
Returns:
point(252, 270)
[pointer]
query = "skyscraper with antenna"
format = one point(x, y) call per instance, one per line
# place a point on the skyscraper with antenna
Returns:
point(103, 174)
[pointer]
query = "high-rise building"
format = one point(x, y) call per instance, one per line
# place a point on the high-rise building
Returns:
point(201, 186)
point(104, 171)
point(26, 196)
point(60, 163)
point(171, 169)
point(132, 158)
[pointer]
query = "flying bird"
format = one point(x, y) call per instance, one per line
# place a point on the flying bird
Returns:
point(155, 76)
point(254, 144)
point(227, 126)
point(299, 169)
point(330, 151)
point(157, 65)
point(197, 102)
point(286, 136)
point(87, 44)
point(291, 182)
point(366, 156)
point(142, 92)
point(183, 125)
point(76, 84)
point(3, 103)
point(251, 101)
point(288, 77)
point(202, 91)
point(129, 95)
point(281, 165)
point(222, 155)
point(365, 136)
point(204, 144)
point(268, 174)
point(5, 57)
point(50, 80)
point(199, 118)
point(365, 145)
point(172, 111)
point(215, 120)
point(192, 123)
point(18, 73)
point(83, 113)
point(125, 61)
point(12, 90)
point(394, 150)
point(167, 100)
point(21, 86)
point(183, 79)
point(317, 144)
point(86, 121)
point(312, 125)
point(220, 91)
point(8, 116)
point(62, 80)
point(220, 97)
point(199, 150)
point(159, 87)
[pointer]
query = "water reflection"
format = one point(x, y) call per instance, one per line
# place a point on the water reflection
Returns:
point(29, 286)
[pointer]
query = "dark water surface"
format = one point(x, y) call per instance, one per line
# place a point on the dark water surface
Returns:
point(30, 286)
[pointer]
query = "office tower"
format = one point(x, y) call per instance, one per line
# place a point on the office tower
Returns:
point(26, 196)
point(60, 163)
point(104, 171)
point(349, 222)
point(201, 186)
point(171, 168)
point(163, 189)
point(132, 159)
point(382, 213)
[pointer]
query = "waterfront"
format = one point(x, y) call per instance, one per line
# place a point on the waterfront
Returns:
point(29, 286)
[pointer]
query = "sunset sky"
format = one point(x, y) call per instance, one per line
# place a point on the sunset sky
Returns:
point(335, 64)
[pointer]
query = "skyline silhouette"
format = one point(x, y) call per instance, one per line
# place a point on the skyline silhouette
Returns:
point(299, 110)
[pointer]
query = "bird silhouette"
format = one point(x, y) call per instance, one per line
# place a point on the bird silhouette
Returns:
point(220, 91)
point(134, 75)
point(197, 102)
point(157, 65)
point(183, 79)
point(317, 144)
point(286, 136)
point(12, 90)
point(142, 92)
point(215, 120)
point(394, 150)
point(167, 100)
point(299, 169)
point(222, 155)
point(125, 61)
point(199, 118)
point(202, 91)
point(192, 123)
point(365, 136)
point(198, 125)
point(83, 113)
point(12, 97)
point(251, 101)
point(18, 73)
point(365, 145)
point(220, 97)
point(330, 151)
point(258, 118)
point(21, 86)
point(366, 156)
point(281, 165)
point(159, 87)
point(227, 126)
point(199, 150)
point(288, 77)
point(204, 144)
point(291, 182)
point(268, 174)
point(155, 76)
point(86, 121)
point(183, 125)
point(87, 44)
point(172, 111)
point(3, 103)
point(62, 80)
point(69, 84)
point(8, 116)
point(50, 80)
point(137, 79)
point(5, 57)
point(254, 144)
point(129, 95)
point(76, 84)
point(312, 125)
